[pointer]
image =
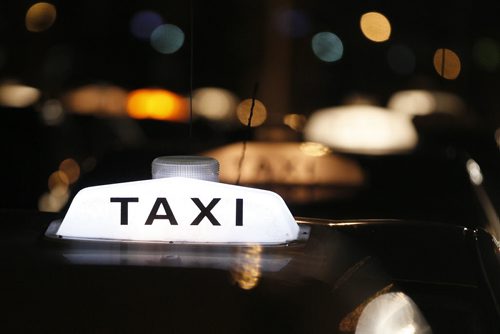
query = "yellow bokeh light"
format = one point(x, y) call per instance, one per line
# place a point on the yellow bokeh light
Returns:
point(314, 149)
point(17, 95)
point(58, 179)
point(375, 26)
point(214, 103)
point(157, 104)
point(60, 191)
point(295, 121)
point(259, 114)
point(53, 201)
point(71, 169)
point(40, 17)
point(447, 63)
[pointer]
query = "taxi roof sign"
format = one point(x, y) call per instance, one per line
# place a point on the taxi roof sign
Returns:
point(178, 209)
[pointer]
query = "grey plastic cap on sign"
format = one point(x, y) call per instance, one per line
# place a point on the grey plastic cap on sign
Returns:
point(194, 167)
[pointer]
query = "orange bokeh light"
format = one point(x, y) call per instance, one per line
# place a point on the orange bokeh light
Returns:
point(157, 104)
point(447, 63)
point(71, 169)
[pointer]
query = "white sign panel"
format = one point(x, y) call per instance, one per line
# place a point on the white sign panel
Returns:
point(179, 210)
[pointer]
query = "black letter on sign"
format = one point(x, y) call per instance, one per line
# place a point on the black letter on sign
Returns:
point(239, 212)
point(168, 212)
point(205, 211)
point(124, 207)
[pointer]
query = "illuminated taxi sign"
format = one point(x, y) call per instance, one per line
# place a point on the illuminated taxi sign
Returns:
point(179, 209)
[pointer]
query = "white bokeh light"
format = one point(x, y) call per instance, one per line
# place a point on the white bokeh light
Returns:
point(362, 129)
point(392, 313)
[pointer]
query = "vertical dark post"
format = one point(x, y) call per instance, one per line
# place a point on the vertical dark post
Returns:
point(191, 65)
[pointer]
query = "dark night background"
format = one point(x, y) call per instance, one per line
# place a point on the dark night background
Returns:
point(232, 45)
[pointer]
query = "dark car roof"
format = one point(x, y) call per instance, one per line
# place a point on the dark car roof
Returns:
point(304, 286)
point(424, 187)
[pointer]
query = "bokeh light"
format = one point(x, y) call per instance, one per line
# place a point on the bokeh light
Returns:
point(58, 184)
point(292, 22)
point(350, 320)
point(159, 104)
point(414, 102)
point(58, 179)
point(295, 121)
point(213, 103)
point(52, 112)
point(53, 201)
point(167, 38)
point(314, 149)
point(375, 26)
point(327, 46)
point(401, 59)
point(475, 174)
point(447, 63)
point(259, 114)
point(392, 313)
point(143, 23)
point(18, 96)
point(362, 129)
point(497, 137)
point(40, 17)
point(424, 102)
point(97, 99)
point(486, 53)
point(71, 169)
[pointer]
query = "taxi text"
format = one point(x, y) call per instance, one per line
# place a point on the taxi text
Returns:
point(205, 211)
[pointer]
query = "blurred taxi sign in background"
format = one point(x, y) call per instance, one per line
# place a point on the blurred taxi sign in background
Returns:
point(300, 172)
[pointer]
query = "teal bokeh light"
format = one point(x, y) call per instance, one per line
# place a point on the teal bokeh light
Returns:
point(167, 38)
point(327, 46)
